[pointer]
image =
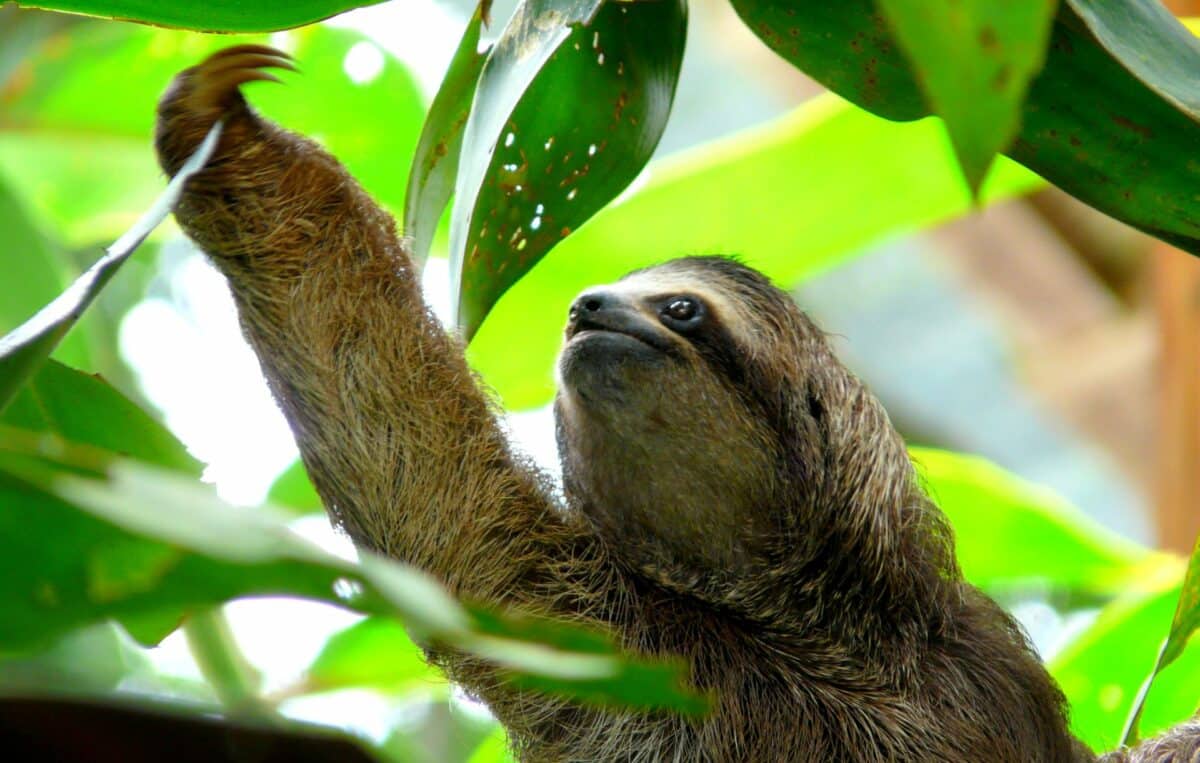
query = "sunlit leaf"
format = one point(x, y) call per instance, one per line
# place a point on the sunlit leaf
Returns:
point(211, 16)
point(537, 159)
point(1102, 670)
point(493, 749)
point(1009, 531)
point(83, 409)
point(974, 60)
point(833, 172)
point(1183, 625)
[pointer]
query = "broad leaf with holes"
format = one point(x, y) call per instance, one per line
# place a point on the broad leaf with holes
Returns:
point(537, 159)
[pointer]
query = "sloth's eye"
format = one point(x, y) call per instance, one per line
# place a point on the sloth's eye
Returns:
point(682, 312)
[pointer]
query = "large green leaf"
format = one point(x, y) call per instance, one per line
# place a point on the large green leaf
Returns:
point(839, 179)
point(1010, 532)
point(212, 16)
point(1107, 120)
point(570, 104)
point(974, 60)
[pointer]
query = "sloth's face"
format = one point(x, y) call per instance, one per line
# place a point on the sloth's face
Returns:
point(656, 431)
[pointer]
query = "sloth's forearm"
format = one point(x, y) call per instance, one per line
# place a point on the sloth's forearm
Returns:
point(399, 441)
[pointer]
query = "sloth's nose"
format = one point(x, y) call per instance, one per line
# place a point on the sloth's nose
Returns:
point(591, 303)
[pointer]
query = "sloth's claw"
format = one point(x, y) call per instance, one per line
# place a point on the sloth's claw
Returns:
point(210, 91)
point(215, 82)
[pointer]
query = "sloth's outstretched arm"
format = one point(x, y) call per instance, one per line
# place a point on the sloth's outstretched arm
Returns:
point(401, 444)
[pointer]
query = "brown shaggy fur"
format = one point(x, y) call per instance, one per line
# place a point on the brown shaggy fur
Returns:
point(792, 559)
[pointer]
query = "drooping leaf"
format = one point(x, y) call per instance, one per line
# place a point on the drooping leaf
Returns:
point(26, 348)
point(1106, 120)
point(1009, 532)
point(974, 60)
point(435, 163)
point(537, 159)
point(839, 179)
point(212, 16)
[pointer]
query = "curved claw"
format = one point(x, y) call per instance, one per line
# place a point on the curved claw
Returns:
point(215, 81)
point(210, 91)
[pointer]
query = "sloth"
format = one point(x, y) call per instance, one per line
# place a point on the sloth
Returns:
point(732, 497)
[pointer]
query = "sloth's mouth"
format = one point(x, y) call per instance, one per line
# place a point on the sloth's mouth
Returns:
point(619, 324)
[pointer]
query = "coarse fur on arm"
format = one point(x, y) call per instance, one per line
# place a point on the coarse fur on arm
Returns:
point(401, 444)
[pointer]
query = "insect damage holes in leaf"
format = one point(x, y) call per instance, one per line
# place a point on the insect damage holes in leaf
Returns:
point(582, 129)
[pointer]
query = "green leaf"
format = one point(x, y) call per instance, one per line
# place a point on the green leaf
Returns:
point(974, 60)
point(293, 490)
point(1107, 119)
point(24, 349)
point(84, 409)
point(212, 16)
point(1010, 532)
point(144, 543)
point(1187, 612)
point(1183, 625)
point(36, 270)
point(375, 653)
point(1101, 671)
point(833, 171)
point(435, 163)
point(567, 112)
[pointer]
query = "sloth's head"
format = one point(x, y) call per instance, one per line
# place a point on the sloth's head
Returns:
point(703, 421)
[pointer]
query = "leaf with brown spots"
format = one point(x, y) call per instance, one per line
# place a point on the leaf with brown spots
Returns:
point(570, 105)
point(435, 163)
point(974, 60)
point(1108, 118)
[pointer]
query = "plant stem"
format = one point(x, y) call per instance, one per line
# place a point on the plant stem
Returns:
point(223, 665)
